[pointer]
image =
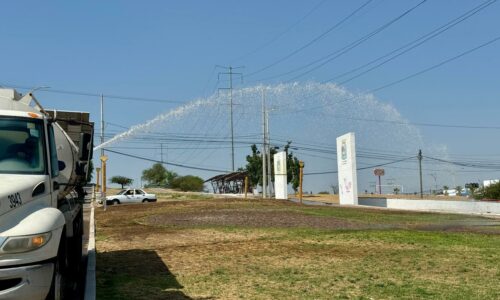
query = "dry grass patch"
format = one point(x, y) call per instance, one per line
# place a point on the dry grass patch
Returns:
point(237, 249)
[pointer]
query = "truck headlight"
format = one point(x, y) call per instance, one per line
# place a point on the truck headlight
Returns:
point(18, 244)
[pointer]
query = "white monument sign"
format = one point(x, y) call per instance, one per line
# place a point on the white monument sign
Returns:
point(346, 163)
point(280, 184)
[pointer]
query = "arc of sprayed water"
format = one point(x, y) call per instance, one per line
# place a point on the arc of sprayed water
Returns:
point(141, 128)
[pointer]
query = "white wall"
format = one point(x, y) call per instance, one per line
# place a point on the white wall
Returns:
point(464, 207)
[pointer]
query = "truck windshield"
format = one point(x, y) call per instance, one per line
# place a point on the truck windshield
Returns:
point(21, 146)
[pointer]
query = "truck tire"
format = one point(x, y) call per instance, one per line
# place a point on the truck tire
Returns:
point(58, 286)
point(75, 245)
point(116, 201)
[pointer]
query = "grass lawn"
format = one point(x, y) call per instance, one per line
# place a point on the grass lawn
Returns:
point(242, 249)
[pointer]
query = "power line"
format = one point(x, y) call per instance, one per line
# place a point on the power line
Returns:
point(363, 168)
point(322, 35)
point(407, 77)
point(173, 148)
point(436, 65)
point(360, 41)
point(169, 163)
point(488, 166)
point(89, 94)
point(414, 44)
point(418, 123)
point(230, 88)
point(279, 35)
point(337, 53)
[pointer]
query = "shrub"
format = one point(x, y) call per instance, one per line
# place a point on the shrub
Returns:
point(490, 192)
point(188, 183)
point(323, 193)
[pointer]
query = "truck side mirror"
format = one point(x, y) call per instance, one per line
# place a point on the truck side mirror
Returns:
point(85, 147)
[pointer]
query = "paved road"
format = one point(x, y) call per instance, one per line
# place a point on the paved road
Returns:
point(307, 202)
point(80, 291)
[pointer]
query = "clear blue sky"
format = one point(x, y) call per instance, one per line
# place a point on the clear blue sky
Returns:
point(169, 50)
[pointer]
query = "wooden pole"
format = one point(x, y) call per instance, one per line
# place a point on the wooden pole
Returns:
point(104, 158)
point(301, 175)
point(98, 183)
point(246, 186)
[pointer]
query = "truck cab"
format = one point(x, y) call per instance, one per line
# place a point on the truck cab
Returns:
point(42, 171)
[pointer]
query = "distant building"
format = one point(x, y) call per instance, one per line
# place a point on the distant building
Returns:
point(453, 192)
point(490, 182)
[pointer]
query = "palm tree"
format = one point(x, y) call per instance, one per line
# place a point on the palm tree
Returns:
point(445, 190)
point(396, 190)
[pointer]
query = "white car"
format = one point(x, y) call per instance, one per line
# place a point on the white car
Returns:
point(130, 196)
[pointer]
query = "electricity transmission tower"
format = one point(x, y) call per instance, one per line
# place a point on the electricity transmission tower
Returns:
point(230, 88)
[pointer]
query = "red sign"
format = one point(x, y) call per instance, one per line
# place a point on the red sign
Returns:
point(379, 172)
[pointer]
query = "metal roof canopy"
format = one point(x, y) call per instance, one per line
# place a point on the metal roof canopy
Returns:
point(231, 183)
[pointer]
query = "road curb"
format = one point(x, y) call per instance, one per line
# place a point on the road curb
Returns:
point(90, 292)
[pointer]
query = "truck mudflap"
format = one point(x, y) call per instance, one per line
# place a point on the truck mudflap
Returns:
point(26, 282)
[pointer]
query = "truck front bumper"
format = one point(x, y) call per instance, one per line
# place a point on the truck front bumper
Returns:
point(26, 282)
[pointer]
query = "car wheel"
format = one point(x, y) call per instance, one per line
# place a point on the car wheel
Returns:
point(116, 201)
point(145, 200)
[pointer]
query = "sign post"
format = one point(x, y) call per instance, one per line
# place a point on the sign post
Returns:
point(280, 174)
point(379, 173)
point(346, 164)
point(103, 158)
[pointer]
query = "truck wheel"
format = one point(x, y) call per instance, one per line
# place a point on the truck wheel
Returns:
point(58, 287)
point(116, 201)
point(75, 246)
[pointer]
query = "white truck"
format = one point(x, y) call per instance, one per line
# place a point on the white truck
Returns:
point(44, 162)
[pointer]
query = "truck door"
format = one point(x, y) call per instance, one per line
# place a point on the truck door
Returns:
point(54, 164)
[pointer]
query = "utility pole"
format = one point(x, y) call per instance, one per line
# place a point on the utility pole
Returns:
point(103, 157)
point(264, 179)
point(161, 153)
point(434, 175)
point(102, 125)
point(420, 170)
point(268, 153)
point(230, 88)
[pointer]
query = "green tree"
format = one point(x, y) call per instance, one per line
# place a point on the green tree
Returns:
point(254, 166)
point(292, 168)
point(472, 186)
point(490, 192)
point(445, 190)
point(396, 190)
point(122, 180)
point(157, 175)
point(459, 190)
point(335, 188)
point(171, 175)
point(188, 183)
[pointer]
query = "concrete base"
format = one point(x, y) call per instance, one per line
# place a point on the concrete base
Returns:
point(449, 206)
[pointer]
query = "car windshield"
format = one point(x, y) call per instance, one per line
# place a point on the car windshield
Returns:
point(21, 146)
point(121, 192)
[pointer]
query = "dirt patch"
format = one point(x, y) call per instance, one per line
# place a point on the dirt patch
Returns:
point(282, 214)
point(279, 219)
